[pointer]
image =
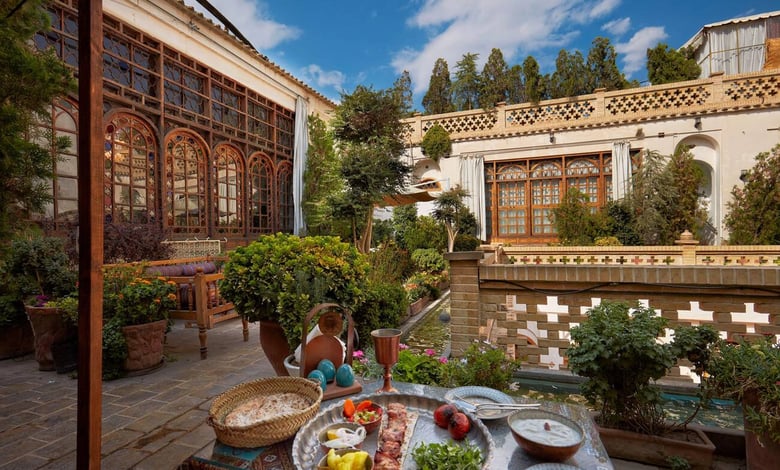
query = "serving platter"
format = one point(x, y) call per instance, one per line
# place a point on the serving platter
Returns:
point(307, 452)
point(474, 395)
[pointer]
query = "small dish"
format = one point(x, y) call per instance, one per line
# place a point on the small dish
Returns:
point(474, 395)
point(347, 435)
point(546, 435)
point(369, 417)
point(323, 463)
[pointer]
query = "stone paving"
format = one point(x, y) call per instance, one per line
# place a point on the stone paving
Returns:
point(154, 421)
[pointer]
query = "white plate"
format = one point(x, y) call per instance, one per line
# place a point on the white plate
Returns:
point(475, 395)
point(552, 466)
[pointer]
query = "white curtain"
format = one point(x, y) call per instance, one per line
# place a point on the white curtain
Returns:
point(472, 179)
point(736, 48)
point(300, 151)
point(621, 169)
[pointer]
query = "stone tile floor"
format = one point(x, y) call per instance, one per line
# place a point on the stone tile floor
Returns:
point(154, 421)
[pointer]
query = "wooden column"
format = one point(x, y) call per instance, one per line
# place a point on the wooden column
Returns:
point(90, 191)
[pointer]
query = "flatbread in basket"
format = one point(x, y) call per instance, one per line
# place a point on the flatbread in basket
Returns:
point(264, 411)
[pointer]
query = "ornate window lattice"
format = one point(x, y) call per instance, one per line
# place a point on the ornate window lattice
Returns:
point(260, 191)
point(63, 35)
point(185, 166)
point(227, 190)
point(129, 188)
point(185, 87)
point(284, 197)
point(129, 64)
point(521, 195)
point(64, 186)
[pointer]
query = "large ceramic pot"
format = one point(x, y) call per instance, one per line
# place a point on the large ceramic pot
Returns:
point(691, 444)
point(144, 346)
point(16, 340)
point(275, 345)
point(761, 452)
point(49, 328)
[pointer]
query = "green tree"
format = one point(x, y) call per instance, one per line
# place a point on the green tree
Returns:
point(665, 65)
point(30, 80)
point(438, 98)
point(533, 80)
point(570, 76)
point(404, 218)
point(648, 204)
point(753, 214)
point(575, 222)
point(425, 233)
point(436, 143)
point(603, 71)
point(368, 126)
point(321, 178)
point(449, 209)
point(465, 88)
point(402, 91)
point(494, 80)
point(516, 86)
point(686, 211)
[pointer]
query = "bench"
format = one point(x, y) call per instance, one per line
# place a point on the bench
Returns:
point(197, 298)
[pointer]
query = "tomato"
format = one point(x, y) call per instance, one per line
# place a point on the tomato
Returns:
point(443, 414)
point(459, 426)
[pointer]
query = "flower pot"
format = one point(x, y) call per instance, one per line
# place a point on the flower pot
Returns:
point(692, 444)
point(16, 340)
point(275, 345)
point(144, 346)
point(761, 452)
point(292, 367)
point(49, 328)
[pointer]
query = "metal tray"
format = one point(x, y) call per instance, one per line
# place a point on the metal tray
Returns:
point(306, 450)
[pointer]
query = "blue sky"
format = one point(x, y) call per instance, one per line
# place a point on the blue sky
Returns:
point(336, 45)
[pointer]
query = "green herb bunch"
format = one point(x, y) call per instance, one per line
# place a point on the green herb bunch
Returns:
point(448, 456)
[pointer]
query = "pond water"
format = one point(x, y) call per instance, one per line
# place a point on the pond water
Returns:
point(429, 332)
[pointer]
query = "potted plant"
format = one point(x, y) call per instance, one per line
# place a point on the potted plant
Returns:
point(43, 273)
point(749, 374)
point(619, 352)
point(278, 278)
point(140, 310)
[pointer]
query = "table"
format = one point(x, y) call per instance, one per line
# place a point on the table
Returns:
point(591, 456)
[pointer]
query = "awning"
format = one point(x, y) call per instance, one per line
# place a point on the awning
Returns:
point(408, 196)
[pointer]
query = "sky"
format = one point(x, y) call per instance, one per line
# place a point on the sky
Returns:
point(333, 46)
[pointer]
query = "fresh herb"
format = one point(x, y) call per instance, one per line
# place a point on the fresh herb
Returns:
point(448, 456)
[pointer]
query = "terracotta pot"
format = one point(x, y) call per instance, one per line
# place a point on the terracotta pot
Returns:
point(275, 345)
point(761, 452)
point(144, 345)
point(16, 340)
point(48, 327)
point(692, 445)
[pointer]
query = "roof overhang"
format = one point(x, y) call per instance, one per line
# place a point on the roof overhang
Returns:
point(407, 196)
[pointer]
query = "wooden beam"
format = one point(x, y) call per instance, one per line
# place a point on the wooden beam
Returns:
point(90, 191)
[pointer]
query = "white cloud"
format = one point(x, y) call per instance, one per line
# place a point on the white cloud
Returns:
point(518, 28)
point(634, 52)
point(251, 19)
point(317, 77)
point(617, 27)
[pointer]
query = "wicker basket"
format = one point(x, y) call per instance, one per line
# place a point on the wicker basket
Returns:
point(268, 432)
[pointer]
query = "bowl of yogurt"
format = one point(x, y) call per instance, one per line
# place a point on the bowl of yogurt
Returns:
point(546, 435)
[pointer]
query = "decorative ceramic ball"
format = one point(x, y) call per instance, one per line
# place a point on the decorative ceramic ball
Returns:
point(328, 369)
point(318, 375)
point(345, 376)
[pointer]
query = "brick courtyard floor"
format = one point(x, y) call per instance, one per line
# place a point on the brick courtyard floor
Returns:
point(154, 421)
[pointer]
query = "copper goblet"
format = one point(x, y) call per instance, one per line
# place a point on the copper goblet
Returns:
point(387, 342)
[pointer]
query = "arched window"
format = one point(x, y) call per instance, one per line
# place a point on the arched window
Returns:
point(260, 191)
point(512, 200)
point(129, 187)
point(228, 190)
point(65, 201)
point(546, 195)
point(583, 174)
point(185, 182)
point(285, 197)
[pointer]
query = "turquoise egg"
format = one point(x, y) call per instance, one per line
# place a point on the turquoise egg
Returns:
point(328, 369)
point(345, 376)
point(319, 376)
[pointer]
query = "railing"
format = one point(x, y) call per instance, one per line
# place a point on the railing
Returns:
point(716, 94)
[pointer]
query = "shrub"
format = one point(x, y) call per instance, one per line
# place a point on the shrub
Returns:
point(384, 305)
point(422, 285)
point(425, 368)
point(482, 364)
point(436, 143)
point(389, 263)
point(125, 243)
point(41, 267)
point(429, 260)
point(465, 242)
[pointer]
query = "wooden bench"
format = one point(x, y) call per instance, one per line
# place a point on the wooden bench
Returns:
point(197, 298)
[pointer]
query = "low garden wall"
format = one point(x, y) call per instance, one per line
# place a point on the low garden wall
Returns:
point(529, 308)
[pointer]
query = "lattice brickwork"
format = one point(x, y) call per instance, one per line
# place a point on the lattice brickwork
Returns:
point(657, 100)
point(550, 113)
point(753, 88)
point(464, 124)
